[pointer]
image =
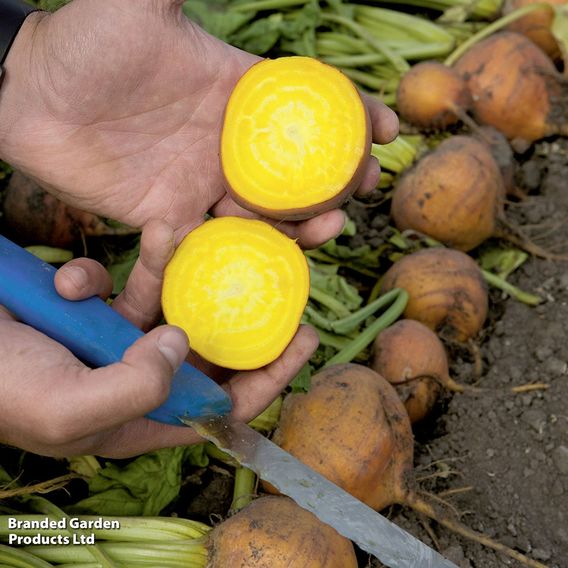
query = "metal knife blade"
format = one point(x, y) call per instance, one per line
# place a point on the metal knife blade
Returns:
point(371, 531)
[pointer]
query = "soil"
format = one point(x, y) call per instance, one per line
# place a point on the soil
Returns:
point(506, 456)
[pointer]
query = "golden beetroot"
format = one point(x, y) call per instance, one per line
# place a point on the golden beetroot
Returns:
point(536, 25)
point(502, 154)
point(352, 428)
point(432, 95)
point(454, 194)
point(412, 358)
point(515, 87)
point(274, 532)
point(447, 291)
point(34, 216)
point(296, 138)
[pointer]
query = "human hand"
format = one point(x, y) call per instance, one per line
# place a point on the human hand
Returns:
point(118, 107)
point(52, 404)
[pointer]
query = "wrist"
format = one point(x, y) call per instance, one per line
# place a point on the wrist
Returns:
point(18, 93)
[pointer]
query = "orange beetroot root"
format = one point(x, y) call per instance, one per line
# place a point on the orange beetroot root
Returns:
point(454, 194)
point(413, 359)
point(515, 88)
point(274, 532)
point(446, 288)
point(432, 95)
point(37, 217)
point(536, 25)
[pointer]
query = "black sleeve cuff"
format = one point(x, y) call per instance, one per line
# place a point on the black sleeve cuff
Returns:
point(12, 16)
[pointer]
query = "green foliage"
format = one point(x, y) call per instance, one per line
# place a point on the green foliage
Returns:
point(215, 16)
point(121, 267)
point(257, 35)
point(302, 380)
point(143, 487)
point(502, 261)
point(52, 5)
point(559, 30)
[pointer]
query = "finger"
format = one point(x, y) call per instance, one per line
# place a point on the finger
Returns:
point(139, 302)
point(384, 121)
point(371, 177)
point(138, 437)
point(318, 230)
point(6, 314)
point(82, 278)
point(253, 391)
point(310, 234)
point(108, 397)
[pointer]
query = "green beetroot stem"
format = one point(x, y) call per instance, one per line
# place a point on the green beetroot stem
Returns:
point(331, 340)
point(382, 20)
point(398, 62)
point(19, 559)
point(52, 255)
point(480, 9)
point(268, 419)
point(329, 302)
point(491, 29)
point(244, 488)
point(502, 284)
point(94, 552)
point(351, 322)
point(367, 79)
point(396, 156)
point(132, 529)
point(368, 335)
point(256, 6)
point(183, 554)
point(408, 51)
point(318, 254)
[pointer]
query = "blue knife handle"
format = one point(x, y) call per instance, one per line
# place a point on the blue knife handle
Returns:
point(94, 332)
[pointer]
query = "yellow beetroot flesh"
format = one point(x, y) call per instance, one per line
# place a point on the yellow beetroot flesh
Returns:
point(238, 287)
point(295, 138)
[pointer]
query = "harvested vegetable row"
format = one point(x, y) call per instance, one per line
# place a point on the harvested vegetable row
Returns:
point(296, 138)
point(238, 287)
point(353, 429)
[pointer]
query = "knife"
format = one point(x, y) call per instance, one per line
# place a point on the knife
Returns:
point(99, 336)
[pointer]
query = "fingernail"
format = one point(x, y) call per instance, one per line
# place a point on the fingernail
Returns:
point(77, 275)
point(173, 345)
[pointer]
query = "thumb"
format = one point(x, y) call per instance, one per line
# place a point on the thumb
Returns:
point(110, 396)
